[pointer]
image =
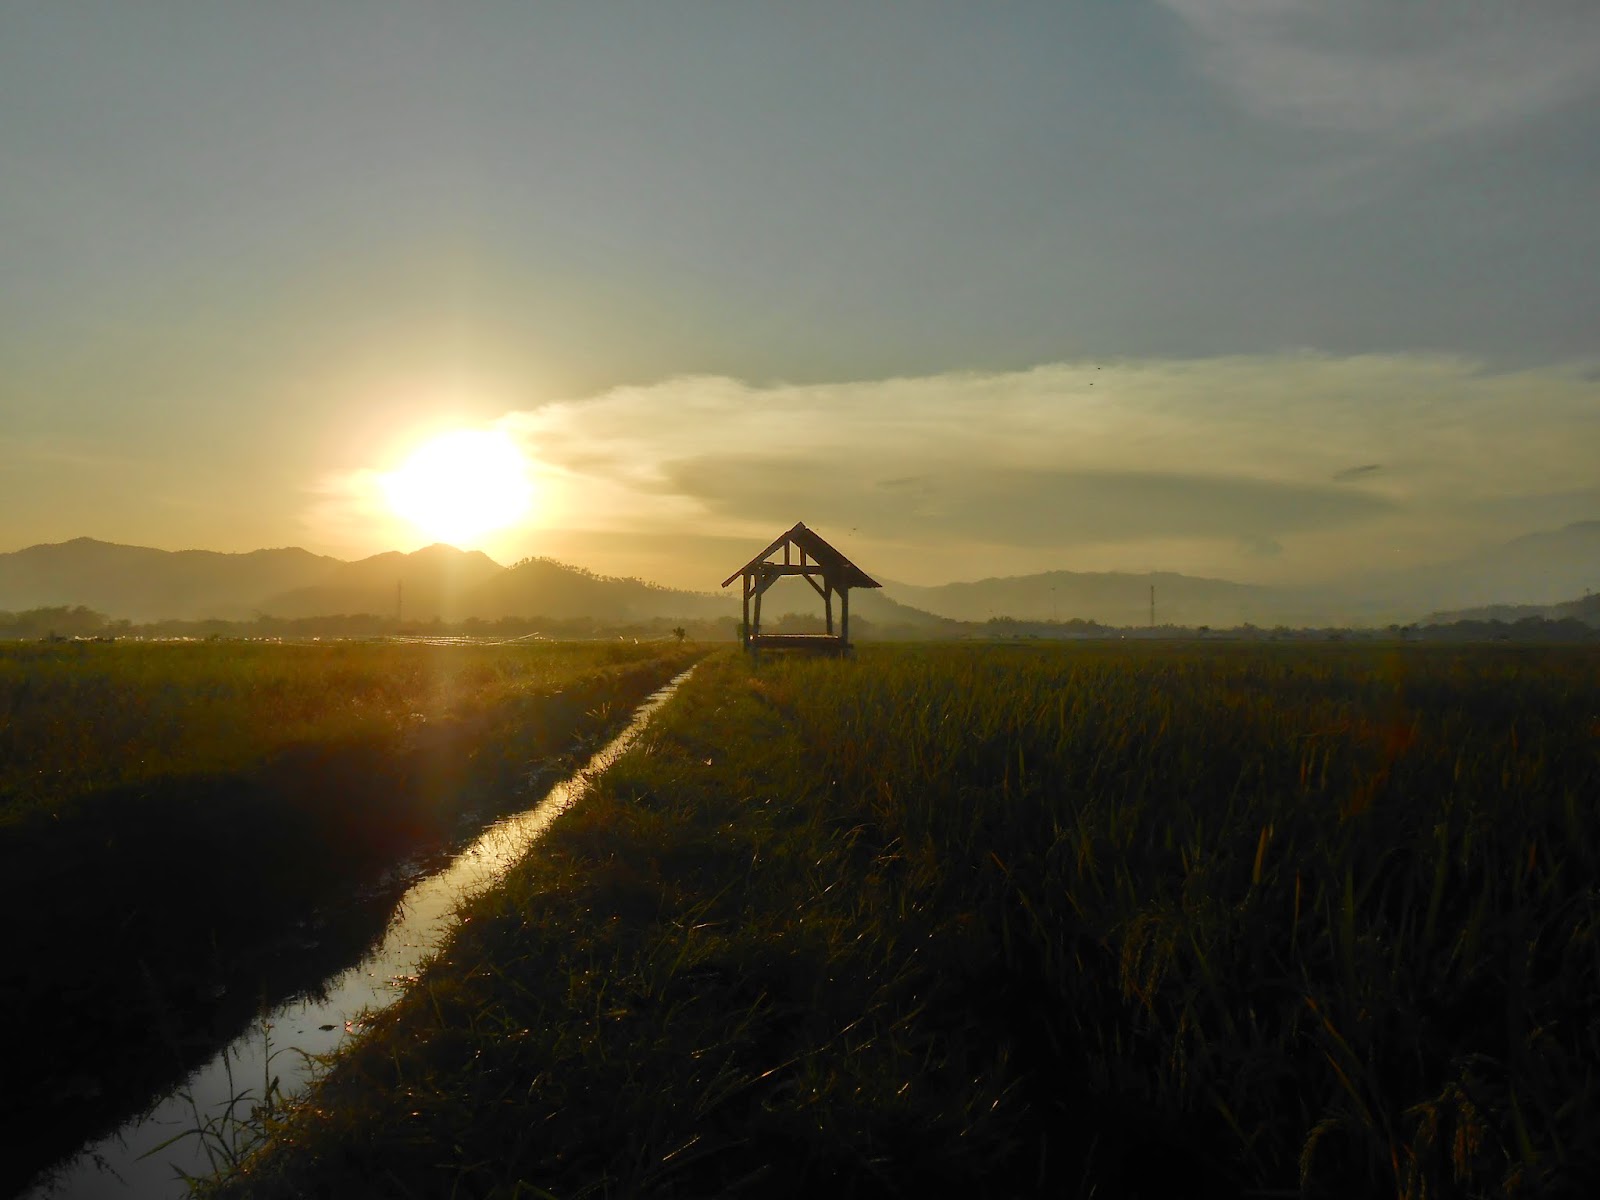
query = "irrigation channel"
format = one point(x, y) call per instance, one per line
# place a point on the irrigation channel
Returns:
point(133, 1162)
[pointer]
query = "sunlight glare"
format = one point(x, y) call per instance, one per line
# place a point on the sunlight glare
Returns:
point(461, 485)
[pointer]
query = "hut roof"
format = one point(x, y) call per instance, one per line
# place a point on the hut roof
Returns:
point(841, 571)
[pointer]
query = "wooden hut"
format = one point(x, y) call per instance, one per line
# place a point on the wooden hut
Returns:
point(807, 555)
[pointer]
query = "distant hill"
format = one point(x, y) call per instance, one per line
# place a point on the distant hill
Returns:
point(1541, 570)
point(546, 588)
point(1110, 598)
point(884, 610)
point(436, 581)
point(1586, 610)
point(143, 584)
point(1544, 568)
point(543, 587)
point(873, 605)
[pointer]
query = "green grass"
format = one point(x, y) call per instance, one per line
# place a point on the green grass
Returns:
point(1091, 920)
point(185, 827)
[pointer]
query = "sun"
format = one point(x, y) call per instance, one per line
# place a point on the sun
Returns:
point(461, 485)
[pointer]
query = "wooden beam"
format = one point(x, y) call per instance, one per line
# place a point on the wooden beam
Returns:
point(844, 620)
point(778, 541)
point(799, 641)
point(827, 608)
point(770, 573)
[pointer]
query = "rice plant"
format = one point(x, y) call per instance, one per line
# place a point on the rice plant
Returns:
point(1087, 920)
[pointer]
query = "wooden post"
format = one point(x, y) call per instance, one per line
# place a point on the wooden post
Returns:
point(827, 607)
point(755, 630)
point(844, 620)
point(744, 630)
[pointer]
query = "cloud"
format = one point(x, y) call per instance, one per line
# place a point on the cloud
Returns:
point(1026, 507)
point(1401, 73)
point(1202, 464)
point(1351, 474)
point(1539, 509)
point(1261, 547)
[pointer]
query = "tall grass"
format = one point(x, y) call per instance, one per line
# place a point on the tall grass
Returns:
point(191, 832)
point(1339, 907)
point(1086, 920)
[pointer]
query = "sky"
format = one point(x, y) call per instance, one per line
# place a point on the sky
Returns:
point(1273, 290)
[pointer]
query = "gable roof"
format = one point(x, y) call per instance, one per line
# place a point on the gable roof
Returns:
point(840, 571)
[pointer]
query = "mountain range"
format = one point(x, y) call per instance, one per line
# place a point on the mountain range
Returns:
point(1545, 568)
point(1109, 598)
point(143, 584)
point(1541, 572)
point(1542, 569)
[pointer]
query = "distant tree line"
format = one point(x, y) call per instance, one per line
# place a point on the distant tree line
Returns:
point(61, 621)
point(80, 622)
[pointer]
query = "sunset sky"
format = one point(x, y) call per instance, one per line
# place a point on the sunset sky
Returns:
point(1268, 290)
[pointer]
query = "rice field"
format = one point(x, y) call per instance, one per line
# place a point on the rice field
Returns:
point(192, 831)
point(83, 717)
point(1102, 920)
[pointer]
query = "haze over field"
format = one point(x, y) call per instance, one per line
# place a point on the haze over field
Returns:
point(1297, 297)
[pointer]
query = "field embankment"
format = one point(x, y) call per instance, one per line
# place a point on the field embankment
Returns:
point(190, 831)
point(1113, 921)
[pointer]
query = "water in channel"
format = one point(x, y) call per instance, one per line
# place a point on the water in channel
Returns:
point(128, 1164)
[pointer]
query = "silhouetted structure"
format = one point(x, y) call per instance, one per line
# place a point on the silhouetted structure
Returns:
point(827, 571)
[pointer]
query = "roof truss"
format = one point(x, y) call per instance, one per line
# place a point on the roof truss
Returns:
point(816, 558)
